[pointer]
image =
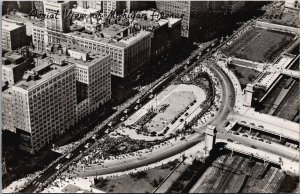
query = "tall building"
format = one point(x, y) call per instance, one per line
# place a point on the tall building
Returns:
point(226, 7)
point(166, 33)
point(132, 6)
point(59, 22)
point(129, 50)
point(93, 78)
point(189, 11)
point(13, 35)
point(14, 64)
point(64, 87)
point(39, 6)
point(44, 104)
point(292, 5)
point(90, 4)
point(113, 7)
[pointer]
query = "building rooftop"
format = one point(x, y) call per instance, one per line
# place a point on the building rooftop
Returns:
point(9, 26)
point(41, 73)
point(85, 11)
point(93, 56)
point(19, 17)
point(113, 30)
point(132, 38)
point(124, 42)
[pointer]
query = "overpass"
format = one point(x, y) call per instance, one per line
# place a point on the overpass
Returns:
point(269, 124)
point(286, 164)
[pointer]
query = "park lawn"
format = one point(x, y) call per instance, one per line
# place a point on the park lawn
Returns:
point(260, 45)
point(244, 75)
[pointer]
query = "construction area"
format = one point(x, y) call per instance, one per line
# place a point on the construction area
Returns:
point(259, 45)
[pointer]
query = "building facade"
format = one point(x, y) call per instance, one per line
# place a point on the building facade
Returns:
point(189, 11)
point(129, 51)
point(14, 65)
point(57, 13)
point(13, 35)
point(44, 104)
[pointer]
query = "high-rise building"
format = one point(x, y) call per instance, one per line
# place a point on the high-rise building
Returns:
point(57, 13)
point(189, 11)
point(129, 50)
point(14, 64)
point(44, 104)
point(226, 7)
point(166, 33)
point(13, 35)
point(113, 7)
point(292, 5)
point(90, 4)
point(137, 5)
point(93, 78)
point(64, 87)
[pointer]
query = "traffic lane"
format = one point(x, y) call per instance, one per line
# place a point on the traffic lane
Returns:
point(247, 141)
point(158, 88)
point(147, 159)
point(227, 94)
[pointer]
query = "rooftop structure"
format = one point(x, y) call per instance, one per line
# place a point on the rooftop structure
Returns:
point(42, 73)
point(118, 41)
point(10, 26)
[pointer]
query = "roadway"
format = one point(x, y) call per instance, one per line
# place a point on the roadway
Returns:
point(139, 161)
point(269, 124)
point(273, 147)
point(47, 174)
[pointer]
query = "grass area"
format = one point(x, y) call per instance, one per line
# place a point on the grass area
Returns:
point(259, 45)
point(141, 182)
point(244, 75)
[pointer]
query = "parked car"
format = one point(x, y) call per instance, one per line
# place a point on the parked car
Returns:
point(94, 136)
point(236, 133)
point(229, 140)
point(87, 145)
point(260, 139)
point(69, 156)
point(252, 146)
point(245, 135)
point(269, 142)
point(58, 166)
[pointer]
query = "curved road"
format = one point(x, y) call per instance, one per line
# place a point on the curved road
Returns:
point(228, 100)
point(219, 121)
point(139, 161)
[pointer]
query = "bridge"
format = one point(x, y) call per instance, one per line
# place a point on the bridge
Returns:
point(288, 165)
point(269, 124)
